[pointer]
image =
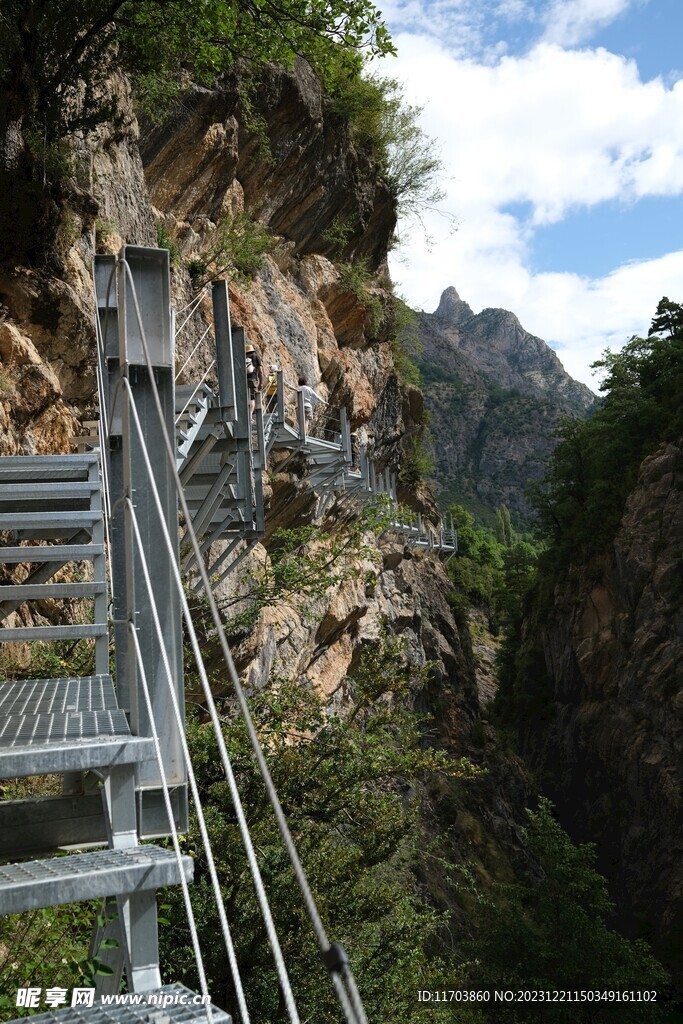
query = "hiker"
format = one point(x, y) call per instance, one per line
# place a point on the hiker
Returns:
point(359, 443)
point(311, 400)
point(254, 375)
point(271, 383)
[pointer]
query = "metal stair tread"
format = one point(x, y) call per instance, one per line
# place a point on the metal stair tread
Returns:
point(75, 754)
point(152, 1011)
point(59, 726)
point(51, 553)
point(75, 631)
point(41, 591)
point(53, 520)
point(29, 885)
point(37, 696)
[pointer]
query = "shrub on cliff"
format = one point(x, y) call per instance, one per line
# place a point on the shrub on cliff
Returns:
point(58, 62)
point(383, 124)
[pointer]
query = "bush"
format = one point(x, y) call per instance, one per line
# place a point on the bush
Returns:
point(237, 251)
point(382, 123)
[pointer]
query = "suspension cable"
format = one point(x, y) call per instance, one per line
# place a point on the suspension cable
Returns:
point(338, 972)
point(190, 770)
point(225, 757)
point(189, 401)
point(192, 352)
point(171, 821)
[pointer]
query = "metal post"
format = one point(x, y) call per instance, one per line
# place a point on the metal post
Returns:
point(242, 427)
point(346, 436)
point(224, 356)
point(301, 416)
point(280, 413)
point(150, 285)
point(259, 461)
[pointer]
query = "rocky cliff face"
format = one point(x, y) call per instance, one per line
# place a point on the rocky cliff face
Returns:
point(495, 397)
point(207, 161)
point(609, 740)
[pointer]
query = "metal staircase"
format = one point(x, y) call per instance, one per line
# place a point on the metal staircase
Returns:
point(113, 743)
point(87, 528)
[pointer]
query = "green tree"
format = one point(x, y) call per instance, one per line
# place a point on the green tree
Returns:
point(596, 463)
point(57, 60)
point(384, 124)
point(554, 935)
point(343, 769)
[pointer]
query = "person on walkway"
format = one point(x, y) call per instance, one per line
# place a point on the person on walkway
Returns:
point(311, 401)
point(254, 375)
point(271, 384)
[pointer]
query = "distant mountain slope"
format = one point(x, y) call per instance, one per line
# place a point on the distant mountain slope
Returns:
point(495, 395)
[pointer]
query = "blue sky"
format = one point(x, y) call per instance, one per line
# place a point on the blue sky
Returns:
point(560, 127)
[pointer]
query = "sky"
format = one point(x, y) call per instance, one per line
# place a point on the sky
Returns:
point(559, 125)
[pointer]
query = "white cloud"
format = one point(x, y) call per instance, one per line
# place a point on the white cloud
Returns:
point(570, 22)
point(557, 130)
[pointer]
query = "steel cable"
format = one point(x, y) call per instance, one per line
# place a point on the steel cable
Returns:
point(353, 1017)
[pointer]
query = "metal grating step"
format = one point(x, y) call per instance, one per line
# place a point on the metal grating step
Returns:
point(41, 591)
point(85, 876)
point(45, 696)
point(78, 754)
point(51, 553)
point(24, 730)
point(34, 521)
point(42, 468)
point(53, 491)
point(170, 1004)
point(77, 631)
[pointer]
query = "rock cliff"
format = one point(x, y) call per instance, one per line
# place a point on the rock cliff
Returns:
point(608, 734)
point(495, 397)
point(295, 167)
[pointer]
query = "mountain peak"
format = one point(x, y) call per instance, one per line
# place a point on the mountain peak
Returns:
point(452, 308)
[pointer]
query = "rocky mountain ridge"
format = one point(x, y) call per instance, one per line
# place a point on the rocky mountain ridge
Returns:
point(495, 395)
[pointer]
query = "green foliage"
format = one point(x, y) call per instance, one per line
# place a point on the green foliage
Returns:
point(237, 251)
point(338, 234)
point(58, 659)
point(166, 241)
point(385, 125)
point(356, 278)
point(56, 59)
point(404, 339)
point(342, 769)
point(104, 230)
point(553, 935)
point(595, 466)
point(303, 563)
point(48, 948)
point(417, 460)
point(493, 569)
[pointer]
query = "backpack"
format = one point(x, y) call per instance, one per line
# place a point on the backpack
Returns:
point(252, 368)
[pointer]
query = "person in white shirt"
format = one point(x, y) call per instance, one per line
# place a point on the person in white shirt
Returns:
point(311, 400)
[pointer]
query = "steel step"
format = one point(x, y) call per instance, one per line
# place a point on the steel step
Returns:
point(56, 490)
point(40, 591)
point(170, 1004)
point(49, 520)
point(85, 876)
point(43, 757)
point(52, 553)
point(42, 468)
point(75, 631)
point(38, 696)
